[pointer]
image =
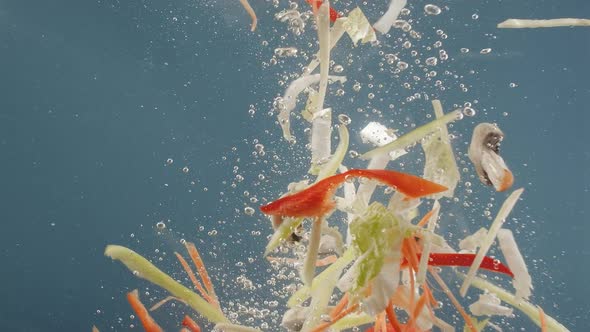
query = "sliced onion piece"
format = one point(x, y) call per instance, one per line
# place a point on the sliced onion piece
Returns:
point(484, 153)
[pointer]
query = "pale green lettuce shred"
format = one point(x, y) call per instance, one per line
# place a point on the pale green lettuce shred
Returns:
point(529, 309)
point(142, 268)
point(335, 268)
point(374, 232)
point(440, 165)
point(414, 136)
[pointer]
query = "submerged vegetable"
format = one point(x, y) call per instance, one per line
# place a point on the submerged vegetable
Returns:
point(515, 23)
point(484, 153)
point(315, 200)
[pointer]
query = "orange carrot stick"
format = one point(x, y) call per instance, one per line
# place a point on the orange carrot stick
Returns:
point(95, 329)
point(196, 258)
point(392, 317)
point(149, 324)
point(425, 219)
point(191, 324)
point(250, 12)
point(419, 306)
point(542, 319)
point(341, 305)
point(453, 299)
point(162, 302)
point(322, 327)
point(193, 278)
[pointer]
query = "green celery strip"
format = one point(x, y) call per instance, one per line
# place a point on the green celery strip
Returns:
point(414, 136)
point(146, 270)
point(526, 307)
point(282, 233)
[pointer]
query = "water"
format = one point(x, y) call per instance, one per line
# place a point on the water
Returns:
point(99, 96)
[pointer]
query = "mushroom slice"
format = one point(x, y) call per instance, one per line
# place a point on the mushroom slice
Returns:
point(484, 153)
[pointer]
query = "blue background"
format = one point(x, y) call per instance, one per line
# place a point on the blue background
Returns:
point(95, 96)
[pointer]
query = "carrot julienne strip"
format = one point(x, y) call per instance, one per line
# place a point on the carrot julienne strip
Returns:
point(341, 305)
point(193, 278)
point(196, 258)
point(542, 319)
point(425, 219)
point(322, 327)
point(392, 317)
point(162, 302)
point(191, 324)
point(148, 323)
point(250, 12)
point(453, 299)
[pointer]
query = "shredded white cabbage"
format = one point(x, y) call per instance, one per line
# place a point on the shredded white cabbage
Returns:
point(423, 266)
point(290, 99)
point(321, 139)
point(226, 327)
point(487, 243)
point(472, 242)
point(386, 21)
point(323, 23)
point(523, 283)
point(383, 286)
point(515, 23)
point(489, 305)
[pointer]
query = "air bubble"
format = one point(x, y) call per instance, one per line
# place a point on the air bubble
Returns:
point(344, 119)
point(432, 9)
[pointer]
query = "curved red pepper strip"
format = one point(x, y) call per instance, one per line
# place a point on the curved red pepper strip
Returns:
point(190, 324)
point(465, 260)
point(333, 13)
point(315, 201)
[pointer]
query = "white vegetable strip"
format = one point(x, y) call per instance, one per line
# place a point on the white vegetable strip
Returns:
point(473, 241)
point(414, 136)
point(489, 305)
point(337, 31)
point(526, 307)
point(304, 292)
point(321, 139)
point(523, 283)
point(332, 165)
point(423, 266)
point(487, 243)
point(308, 269)
point(386, 21)
point(496, 169)
point(323, 22)
point(290, 98)
point(352, 320)
point(515, 23)
point(442, 325)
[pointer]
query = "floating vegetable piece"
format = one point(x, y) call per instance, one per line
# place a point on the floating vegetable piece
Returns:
point(321, 138)
point(191, 324)
point(523, 283)
point(323, 24)
point(414, 136)
point(315, 4)
point(505, 210)
point(489, 305)
point(386, 21)
point(227, 327)
point(451, 259)
point(250, 12)
point(532, 311)
point(329, 168)
point(358, 27)
point(515, 23)
point(315, 201)
point(484, 153)
point(440, 165)
point(148, 323)
point(142, 268)
point(289, 100)
point(473, 241)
